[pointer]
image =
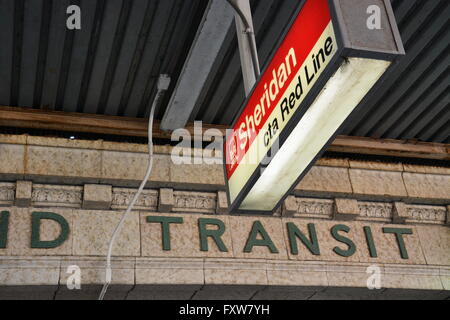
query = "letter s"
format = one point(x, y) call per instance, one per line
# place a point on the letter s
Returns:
point(243, 136)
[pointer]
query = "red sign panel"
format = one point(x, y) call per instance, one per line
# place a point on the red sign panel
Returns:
point(306, 31)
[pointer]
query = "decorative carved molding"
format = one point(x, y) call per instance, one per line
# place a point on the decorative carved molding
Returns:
point(313, 208)
point(426, 214)
point(56, 196)
point(201, 202)
point(7, 193)
point(375, 211)
point(206, 202)
point(147, 201)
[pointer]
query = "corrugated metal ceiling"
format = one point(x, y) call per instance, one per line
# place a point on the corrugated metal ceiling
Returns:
point(110, 66)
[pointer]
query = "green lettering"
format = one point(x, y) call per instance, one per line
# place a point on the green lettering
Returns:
point(312, 244)
point(214, 234)
point(36, 241)
point(399, 236)
point(165, 228)
point(370, 242)
point(4, 224)
point(258, 228)
point(351, 245)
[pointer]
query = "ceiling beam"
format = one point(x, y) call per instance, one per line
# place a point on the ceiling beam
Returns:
point(137, 127)
point(205, 49)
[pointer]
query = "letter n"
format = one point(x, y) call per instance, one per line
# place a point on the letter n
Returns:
point(294, 233)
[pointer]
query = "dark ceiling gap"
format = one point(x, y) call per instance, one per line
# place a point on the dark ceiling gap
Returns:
point(17, 51)
point(65, 64)
point(432, 110)
point(42, 52)
point(138, 55)
point(120, 31)
point(415, 86)
point(92, 49)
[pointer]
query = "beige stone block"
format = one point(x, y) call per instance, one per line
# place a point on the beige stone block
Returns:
point(290, 206)
point(427, 186)
point(127, 147)
point(93, 230)
point(395, 277)
point(242, 227)
point(166, 200)
point(52, 162)
point(92, 271)
point(207, 175)
point(97, 197)
point(435, 243)
point(184, 237)
point(302, 274)
point(400, 213)
point(64, 143)
point(448, 215)
point(222, 203)
point(127, 168)
point(235, 272)
point(376, 165)
point(326, 179)
point(19, 233)
point(377, 183)
point(23, 193)
point(173, 271)
point(12, 159)
point(445, 278)
point(326, 241)
point(135, 147)
point(345, 209)
point(333, 162)
point(349, 275)
point(13, 139)
point(29, 271)
point(426, 169)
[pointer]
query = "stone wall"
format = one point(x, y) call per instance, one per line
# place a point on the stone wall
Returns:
point(78, 162)
point(90, 183)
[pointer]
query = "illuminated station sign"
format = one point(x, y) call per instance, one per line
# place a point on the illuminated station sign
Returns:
point(334, 52)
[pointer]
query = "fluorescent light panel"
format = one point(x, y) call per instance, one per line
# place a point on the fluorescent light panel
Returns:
point(339, 97)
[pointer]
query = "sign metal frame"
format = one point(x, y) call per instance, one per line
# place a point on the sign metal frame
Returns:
point(344, 50)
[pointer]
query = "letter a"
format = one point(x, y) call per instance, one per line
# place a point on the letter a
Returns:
point(74, 20)
point(374, 20)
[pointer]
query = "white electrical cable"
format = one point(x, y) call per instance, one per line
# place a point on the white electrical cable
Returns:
point(162, 86)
